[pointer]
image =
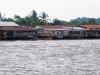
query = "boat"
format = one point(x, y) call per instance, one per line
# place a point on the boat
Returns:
point(47, 38)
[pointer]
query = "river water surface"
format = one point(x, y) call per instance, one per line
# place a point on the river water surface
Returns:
point(57, 57)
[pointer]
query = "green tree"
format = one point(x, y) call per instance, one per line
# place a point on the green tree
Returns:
point(84, 23)
point(8, 20)
point(64, 23)
point(56, 22)
point(43, 18)
point(91, 21)
point(74, 22)
point(19, 20)
point(28, 20)
point(34, 18)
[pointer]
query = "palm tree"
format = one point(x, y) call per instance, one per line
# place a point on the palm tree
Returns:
point(57, 21)
point(44, 19)
point(34, 18)
point(28, 20)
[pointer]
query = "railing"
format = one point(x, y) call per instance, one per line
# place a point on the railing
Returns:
point(20, 35)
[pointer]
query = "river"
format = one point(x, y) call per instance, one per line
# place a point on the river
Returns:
point(50, 57)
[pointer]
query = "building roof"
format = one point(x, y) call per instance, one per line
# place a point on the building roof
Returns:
point(55, 27)
point(78, 28)
point(18, 28)
point(50, 27)
point(8, 24)
point(91, 26)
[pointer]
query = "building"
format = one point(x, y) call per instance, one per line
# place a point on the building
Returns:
point(10, 30)
point(76, 32)
point(8, 24)
point(56, 32)
point(92, 31)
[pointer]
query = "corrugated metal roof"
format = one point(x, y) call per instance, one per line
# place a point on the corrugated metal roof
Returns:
point(8, 24)
point(91, 26)
point(56, 29)
point(59, 27)
point(78, 28)
point(50, 27)
point(18, 28)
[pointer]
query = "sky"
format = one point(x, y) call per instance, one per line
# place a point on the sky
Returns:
point(60, 9)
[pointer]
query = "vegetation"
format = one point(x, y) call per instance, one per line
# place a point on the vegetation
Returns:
point(43, 19)
point(34, 19)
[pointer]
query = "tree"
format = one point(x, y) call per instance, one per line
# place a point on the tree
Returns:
point(75, 22)
point(64, 22)
point(84, 23)
point(19, 20)
point(91, 21)
point(57, 22)
point(44, 19)
point(34, 18)
point(27, 20)
point(8, 20)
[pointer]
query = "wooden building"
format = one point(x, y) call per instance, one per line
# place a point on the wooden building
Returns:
point(54, 32)
point(90, 27)
point(88, 32)
point(6, 25)
point(76, 32)
point(17, 32)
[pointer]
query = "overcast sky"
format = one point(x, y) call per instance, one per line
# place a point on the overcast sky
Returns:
point(61, 9)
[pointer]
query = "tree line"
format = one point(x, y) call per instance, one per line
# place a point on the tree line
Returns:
point(34, 19)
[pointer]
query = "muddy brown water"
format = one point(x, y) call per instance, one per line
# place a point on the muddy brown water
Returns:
point(54, 57)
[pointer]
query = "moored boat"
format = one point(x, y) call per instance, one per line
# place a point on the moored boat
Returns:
point(48, 38)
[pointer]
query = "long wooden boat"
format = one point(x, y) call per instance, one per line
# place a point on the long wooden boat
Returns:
point(48, 38)
point(45, 38)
